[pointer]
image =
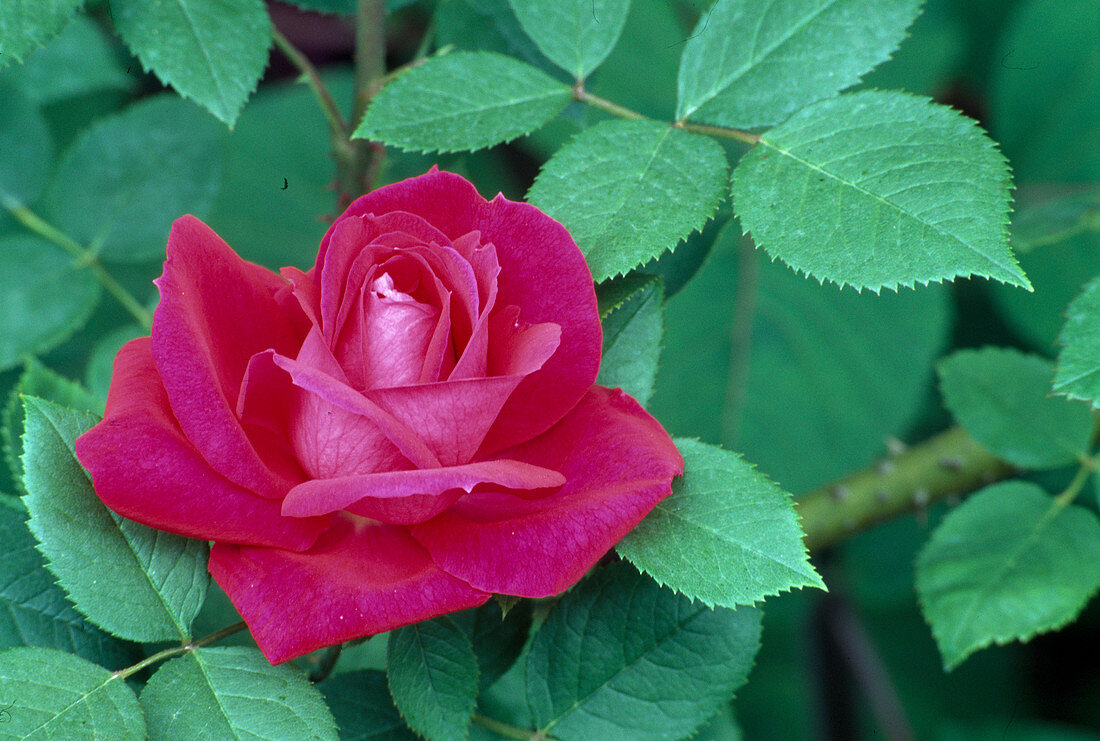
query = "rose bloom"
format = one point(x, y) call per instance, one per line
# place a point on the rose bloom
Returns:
point(398, 433)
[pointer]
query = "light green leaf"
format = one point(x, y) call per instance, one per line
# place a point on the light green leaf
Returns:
point(1002, 398)
point(1045, 92)
point(879, 189)
point(750, 64)
point(798, 390)
point(433, 678)
point(632, 342)
point(47, 297)
point(60, 696)
point(147, 585)
point(79, 61)
point(233, 693)
point(38, 380)
point(726, 536)
point(212, 51)
point(620, 657)
point(1008, 563)
point(630, 190)
point(27, 24)
point(575, 34)
point(101, 362)
point(27, 146)
point(1078, 370)
point(33, 609)
point(463, 101)
point(364, 711)
point(125, 180)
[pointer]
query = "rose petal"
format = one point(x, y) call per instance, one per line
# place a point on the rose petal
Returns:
point(216, 312)
point(324, 496)
point(618, 463)
point(144, 468)
point(358, 580)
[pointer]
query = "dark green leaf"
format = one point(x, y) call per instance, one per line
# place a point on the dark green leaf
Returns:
point(1008, 563)
point(26, 144)
point(60, 696)
point(125, 180)
point(79, 61)
point(38, 380)
point(621, 658)
point(879, 189)
point(815, 382)
point(575, 34)
point(233, 693)
point(614, 292)
point(102, 360)
point(433, 678)
point(930, 58)
point(147, 585)
point(726, 536)
point(1002, 398)
point(751, 64)
point(1046, 91)
point(27, 24)
point(463, 101)
point(497, 638)
point(1078, 371)
point(47, 297)
point(630, 190)
point(363, 709)
point(632, 342)
point(212, 51)
point(33, 609)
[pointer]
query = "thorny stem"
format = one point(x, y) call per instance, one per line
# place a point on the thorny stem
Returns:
point(187, 648)
point(84, 257)
point(338, 127)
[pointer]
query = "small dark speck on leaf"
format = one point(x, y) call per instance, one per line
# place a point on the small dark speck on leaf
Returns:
point(5, 716)
point(285, 184)
point(1009, 66)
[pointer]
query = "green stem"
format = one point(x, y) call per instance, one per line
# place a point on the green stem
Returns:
point(169, 653)
point(338, 127)
point(583, 96)
point(1087, 469)
point(506, 730)
point(949, 463)
point(721, 132)
point(83, 257)
point(370, 52)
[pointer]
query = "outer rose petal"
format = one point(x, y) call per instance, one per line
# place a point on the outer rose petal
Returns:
point(618, 463)
point(144, 468)
point(359, 579)
point(542, 272)
point(216, 311)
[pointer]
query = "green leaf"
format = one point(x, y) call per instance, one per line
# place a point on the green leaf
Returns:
point(79, 61)
point(485, 25)
point(344, 7)
point(1008, 563)
point(726, 536)
point(27, 24)
point(27, 146)
point(620, 657)
point(497, 639)
point(233, 692)
point(632, 342)
point(47, 297)
point(127, 178)
point(363, 709)
point(630, 190)
point(38, 380)
point(1078, 370)
point(58, 695)
point(575, 34)
point(147, 585)
point(33, 609)
point(613, 293)
point(1045, 92)
point(101, 362)
point(809, 387)
point(463, 101)
point(1002, 398)
point(750, 64)
point(433, 678)
point(212, 51)
point(877, 189)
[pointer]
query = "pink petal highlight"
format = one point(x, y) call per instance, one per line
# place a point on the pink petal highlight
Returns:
point(144, 468)
point(618, 463)
point(359, 579)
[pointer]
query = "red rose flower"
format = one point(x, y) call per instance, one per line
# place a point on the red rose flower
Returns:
point(399, 432)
